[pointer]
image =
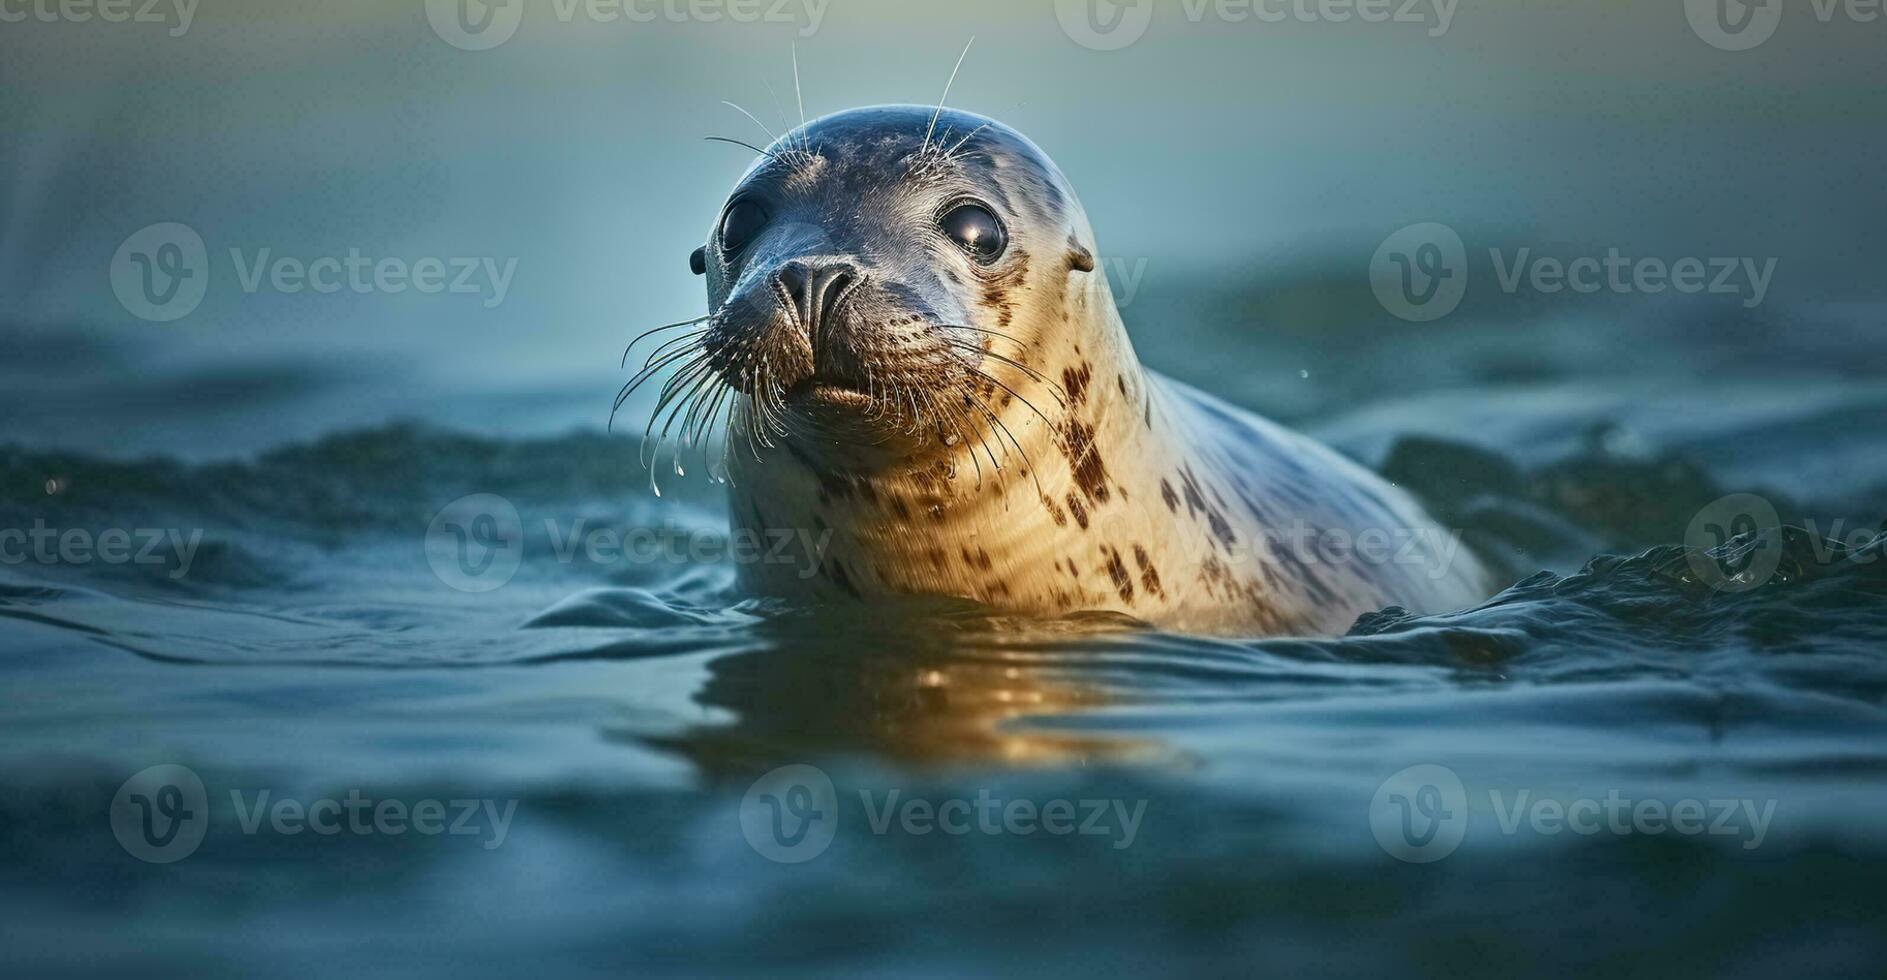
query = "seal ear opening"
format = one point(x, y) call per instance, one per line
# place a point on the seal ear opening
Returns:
point(1079, 258)
point(698, 262)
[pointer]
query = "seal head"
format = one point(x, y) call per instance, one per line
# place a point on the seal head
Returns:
point(862, 270)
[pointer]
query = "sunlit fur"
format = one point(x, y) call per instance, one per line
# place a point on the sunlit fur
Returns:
point(987, 432)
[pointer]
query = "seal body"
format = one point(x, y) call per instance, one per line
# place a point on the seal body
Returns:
point(929, 376)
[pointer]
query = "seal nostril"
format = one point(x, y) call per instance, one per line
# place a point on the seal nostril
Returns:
point(793, 277)
point(833, 292)
point(816, 288)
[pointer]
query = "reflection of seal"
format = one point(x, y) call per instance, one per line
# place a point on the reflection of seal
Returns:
point(918, 352)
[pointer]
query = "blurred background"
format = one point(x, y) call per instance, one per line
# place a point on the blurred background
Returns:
point(290, 287)
point(1227, 163)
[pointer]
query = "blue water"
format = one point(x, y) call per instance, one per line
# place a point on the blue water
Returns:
point(622, 709)
point(1643, 757)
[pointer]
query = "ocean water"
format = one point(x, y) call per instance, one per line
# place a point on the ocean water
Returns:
point(1227, 805)
point(280, 696)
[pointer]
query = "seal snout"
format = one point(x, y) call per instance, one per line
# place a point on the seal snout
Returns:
point(817, 288)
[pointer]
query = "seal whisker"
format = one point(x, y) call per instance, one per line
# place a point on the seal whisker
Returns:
point(642, 378)
point(1053, 388)
point(956, 423)
point(687, 401)
point(946, 96)
point(950, 155)
point(750, 146)
point(772, 137)
point(649, 333)
point(685, 376)
point(669, 345)
point(994, 463)
point(800, 95)
point(691, 423)
point(648, 372)
point(1046, 421)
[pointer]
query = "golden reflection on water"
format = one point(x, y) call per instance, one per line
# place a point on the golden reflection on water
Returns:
point(948, 692)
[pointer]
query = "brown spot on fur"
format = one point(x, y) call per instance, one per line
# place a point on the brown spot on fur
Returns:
point(1055, 511)
point(1090, 470)
point(1080, 510)
point(1149, 576)
point(1196, 504)
point(1167, 494)
point(1075, 382)
point(1117, 570)
point(997, 297)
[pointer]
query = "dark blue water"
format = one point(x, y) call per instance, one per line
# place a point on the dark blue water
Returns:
point(605, 718)
point(270, 704)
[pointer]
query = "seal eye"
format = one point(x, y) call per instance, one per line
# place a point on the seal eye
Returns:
point(743, 220)
point(976, 231)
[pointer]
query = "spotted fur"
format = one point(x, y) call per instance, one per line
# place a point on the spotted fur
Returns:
point(1008, 447)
